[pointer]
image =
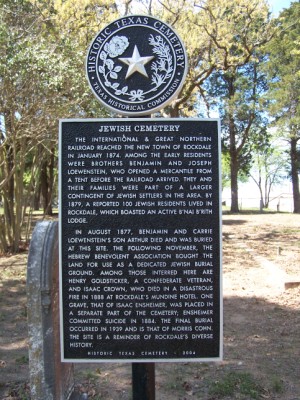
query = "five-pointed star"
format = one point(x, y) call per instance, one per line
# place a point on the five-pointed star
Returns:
point(136, 63)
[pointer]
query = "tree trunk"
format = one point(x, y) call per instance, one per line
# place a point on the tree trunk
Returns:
point(37, 197)
point(233, 153)
point(18, 204)
point(3, 240)
point(234, 164)
point(47, 180)
point(51, 183)
point(234, 184)
point(44, 186)
point(174, 110)
point(9, 198)
point(295, 176)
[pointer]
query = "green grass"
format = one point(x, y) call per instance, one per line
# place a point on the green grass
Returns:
point(236, 383)
point(22, 360)
point(277, 385)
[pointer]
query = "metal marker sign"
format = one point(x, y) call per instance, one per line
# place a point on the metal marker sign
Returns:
point(136, 65)
point(140, 248)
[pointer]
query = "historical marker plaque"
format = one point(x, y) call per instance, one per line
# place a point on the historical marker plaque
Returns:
point(136, 65)
point(140, 240)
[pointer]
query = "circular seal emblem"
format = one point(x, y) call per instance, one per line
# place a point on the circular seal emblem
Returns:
point(136, 65)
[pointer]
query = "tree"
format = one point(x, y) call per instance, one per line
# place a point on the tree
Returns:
point(284, 72)
point(270, 166)
point(236, 93)
point(224, 50)
point(20, 102)
point(237, 84)
point(41, 80)
point(181, 16)
point(43, 46)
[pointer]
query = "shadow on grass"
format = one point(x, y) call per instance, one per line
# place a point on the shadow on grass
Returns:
point(261, 360)
point(13, 334)
point(234, 222)
point(261, 345)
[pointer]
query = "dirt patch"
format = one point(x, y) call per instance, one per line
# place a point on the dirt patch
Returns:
point(261, 325)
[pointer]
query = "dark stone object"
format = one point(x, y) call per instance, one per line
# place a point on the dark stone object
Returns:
point(50, 379)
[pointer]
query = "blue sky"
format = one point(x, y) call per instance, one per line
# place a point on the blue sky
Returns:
point(279, 5)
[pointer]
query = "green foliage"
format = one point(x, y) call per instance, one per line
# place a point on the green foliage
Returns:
point(42, 79)
point(43, 45)
point(238, 31)
point(225, 170)
point(22, 360)
point(283, 68)
point(269, 168)
point(236, 93)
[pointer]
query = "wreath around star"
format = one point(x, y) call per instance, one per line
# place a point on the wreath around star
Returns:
point(161, 69)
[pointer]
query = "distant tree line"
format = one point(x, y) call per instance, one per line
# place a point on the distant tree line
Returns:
point(243, 64)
